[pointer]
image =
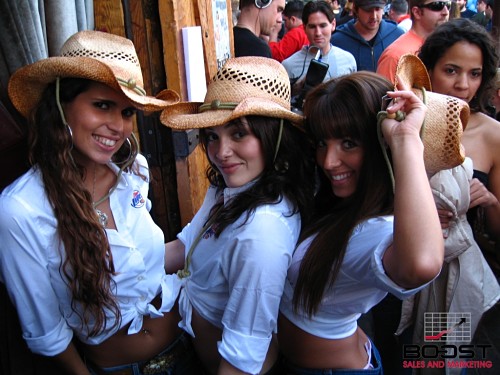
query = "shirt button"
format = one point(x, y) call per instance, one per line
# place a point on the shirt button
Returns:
point(143, 298)
point(140, 278)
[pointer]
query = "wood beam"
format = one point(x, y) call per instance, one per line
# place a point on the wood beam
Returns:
point(191, 181)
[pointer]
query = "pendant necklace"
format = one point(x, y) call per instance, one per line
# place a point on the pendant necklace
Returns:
point(103, 218)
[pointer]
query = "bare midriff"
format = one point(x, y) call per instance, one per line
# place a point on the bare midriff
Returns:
point(155, 336)
point(205, 344)
point(308, 351)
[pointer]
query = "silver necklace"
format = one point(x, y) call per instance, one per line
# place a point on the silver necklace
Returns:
point(103, 218)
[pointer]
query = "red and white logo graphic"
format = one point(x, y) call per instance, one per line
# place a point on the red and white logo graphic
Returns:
point(447, 327)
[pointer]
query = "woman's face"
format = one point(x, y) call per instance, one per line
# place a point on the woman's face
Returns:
point(100, 120)
point(458, 72)
point(341, 161)
point(236, 152)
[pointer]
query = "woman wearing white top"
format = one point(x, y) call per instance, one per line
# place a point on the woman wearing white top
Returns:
point(80, 255)
point(239, 245)
point(367, 239)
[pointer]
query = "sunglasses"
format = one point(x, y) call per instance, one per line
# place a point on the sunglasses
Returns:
point(437, 6)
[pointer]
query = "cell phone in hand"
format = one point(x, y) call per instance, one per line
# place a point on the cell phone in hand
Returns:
point(315, 73)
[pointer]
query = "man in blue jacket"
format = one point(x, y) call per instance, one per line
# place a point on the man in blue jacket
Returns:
point(368, 34)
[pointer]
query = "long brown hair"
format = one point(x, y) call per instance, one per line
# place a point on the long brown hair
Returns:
point(345, 107)
point(288, 173)
point(87, 260)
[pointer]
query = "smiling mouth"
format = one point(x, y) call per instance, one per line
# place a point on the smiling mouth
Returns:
point(340, 177)
point(105, 141)
point(228, 167)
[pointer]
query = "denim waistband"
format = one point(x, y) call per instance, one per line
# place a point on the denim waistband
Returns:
point(160, 364)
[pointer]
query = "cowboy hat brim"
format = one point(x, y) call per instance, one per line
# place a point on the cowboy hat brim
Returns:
point(186, 115)
point(27, 84)
point(445, 120)
point(411, 70)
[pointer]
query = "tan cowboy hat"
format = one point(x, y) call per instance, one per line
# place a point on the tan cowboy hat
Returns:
point(94, 55)
point(243, 86)
point(445, 120)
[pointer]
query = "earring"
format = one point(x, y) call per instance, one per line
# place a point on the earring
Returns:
point(133, 150)
point(281, 167)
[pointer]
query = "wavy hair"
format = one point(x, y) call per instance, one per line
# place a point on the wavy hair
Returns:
point(87, 260)
point(290, 175)
point(464, 30)
point(344, 107)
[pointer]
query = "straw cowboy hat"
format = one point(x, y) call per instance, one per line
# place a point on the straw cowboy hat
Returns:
point(94, 55)
point(243, 86)
point(445, 120)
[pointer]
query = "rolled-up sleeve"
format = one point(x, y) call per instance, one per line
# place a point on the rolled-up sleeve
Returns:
point(24, 266)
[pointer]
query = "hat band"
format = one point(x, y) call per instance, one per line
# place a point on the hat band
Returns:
point(132, 85)
point(217, 104)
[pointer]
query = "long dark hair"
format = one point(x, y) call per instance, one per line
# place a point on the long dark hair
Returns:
point(290, 175)
point(345, 107)
point(88, 262)
point(464, 30)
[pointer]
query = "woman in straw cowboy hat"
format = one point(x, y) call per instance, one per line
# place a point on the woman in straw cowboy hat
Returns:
point(466, 287)
point(80, 255)
point(374, 232)
point(462, 60)
point(237, 248)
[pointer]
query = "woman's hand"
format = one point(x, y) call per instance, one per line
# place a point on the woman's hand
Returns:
point(445, 217)
point(414, 110)
point(480, 195)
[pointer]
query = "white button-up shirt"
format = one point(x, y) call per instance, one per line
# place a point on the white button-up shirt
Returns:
point(30, 261)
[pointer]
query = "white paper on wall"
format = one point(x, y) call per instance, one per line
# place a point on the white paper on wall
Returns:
point(194, 63)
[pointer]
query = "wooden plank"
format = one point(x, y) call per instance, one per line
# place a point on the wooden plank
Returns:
point(204, 18)
point(190, 176)
point(146, 35)
point(108, 16)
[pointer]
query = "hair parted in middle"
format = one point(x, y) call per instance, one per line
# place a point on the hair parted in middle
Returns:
point(464, 30)
point(344, 107)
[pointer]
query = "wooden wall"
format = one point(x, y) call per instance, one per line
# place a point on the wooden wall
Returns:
point(175, 15)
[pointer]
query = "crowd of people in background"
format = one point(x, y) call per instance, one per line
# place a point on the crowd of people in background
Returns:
point(330, 227)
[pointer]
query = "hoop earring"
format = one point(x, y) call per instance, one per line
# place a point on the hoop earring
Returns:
point(133, 148)
point(281, 167)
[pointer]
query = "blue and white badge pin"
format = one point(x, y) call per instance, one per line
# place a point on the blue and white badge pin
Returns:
point(137, 199)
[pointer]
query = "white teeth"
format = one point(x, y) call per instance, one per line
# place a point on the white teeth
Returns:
point(340, 177)
point(105, 141)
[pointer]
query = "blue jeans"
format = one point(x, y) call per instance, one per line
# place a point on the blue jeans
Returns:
point(179, 358)
point(376, 370)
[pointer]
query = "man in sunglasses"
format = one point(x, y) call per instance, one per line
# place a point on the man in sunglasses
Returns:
point(426, 15)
